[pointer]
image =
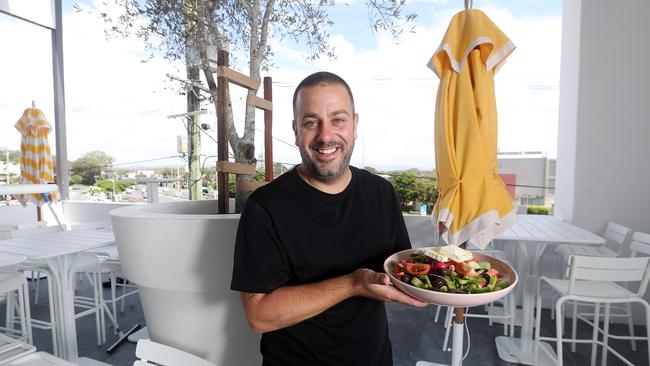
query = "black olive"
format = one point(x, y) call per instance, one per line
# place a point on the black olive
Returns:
point(436, 281)
point(444, 271)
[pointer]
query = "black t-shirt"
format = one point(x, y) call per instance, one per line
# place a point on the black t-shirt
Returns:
point(291, 233)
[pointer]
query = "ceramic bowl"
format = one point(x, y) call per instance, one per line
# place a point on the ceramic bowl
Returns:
point(453, 299)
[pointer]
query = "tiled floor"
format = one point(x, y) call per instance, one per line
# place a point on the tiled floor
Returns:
point(414, 337)
point(123, 355)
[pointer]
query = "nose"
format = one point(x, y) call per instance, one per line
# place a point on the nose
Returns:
point(325, 133)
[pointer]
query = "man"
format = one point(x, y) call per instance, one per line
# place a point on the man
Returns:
point(311, 244)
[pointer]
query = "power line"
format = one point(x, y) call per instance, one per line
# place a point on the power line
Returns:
point(278, 139)
point(143, 161)
point(207, 134)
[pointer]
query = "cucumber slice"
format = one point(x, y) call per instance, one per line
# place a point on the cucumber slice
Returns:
point(485, 265)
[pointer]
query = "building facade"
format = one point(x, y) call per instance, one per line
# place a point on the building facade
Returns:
point(529, 177)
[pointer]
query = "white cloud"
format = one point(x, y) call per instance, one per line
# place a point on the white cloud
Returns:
point(116, 103)
point(395, 92)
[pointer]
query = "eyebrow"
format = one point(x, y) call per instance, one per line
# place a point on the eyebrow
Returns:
point(340, 111)
point(332, 114)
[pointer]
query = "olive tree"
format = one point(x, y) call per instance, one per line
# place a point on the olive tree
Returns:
point(246, 28)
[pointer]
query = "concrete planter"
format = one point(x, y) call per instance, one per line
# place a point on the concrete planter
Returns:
point(180, 255)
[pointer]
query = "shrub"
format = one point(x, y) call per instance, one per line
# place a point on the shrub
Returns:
point(107, 185)
point(538, 210)
point(76, 179)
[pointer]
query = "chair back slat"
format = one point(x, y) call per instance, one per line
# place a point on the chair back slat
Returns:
point(611, 275)
point(615, 235)
point(160, 354)
point(640, 244)
point(608, 269)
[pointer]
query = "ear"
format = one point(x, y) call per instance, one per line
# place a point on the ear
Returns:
point(295, 132)
point(356, 122)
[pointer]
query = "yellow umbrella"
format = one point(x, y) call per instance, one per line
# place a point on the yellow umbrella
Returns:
point(473, 203)
point(36, 166)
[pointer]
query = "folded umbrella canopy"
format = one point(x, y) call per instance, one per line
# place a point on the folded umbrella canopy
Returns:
point(36, 166)
point(473, 203)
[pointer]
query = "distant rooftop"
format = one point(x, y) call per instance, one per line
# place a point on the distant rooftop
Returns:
point(521, 155)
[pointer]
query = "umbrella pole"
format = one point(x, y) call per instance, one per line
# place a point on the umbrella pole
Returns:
point(457, 331)
point(457, 337)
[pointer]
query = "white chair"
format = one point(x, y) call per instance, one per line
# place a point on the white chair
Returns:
point(639, 244)
point(36, 268)
point(14, 286)
point(615, 236)
point(95, 265)
point(11, 349)
point(14, 352)
point(594, 280)
point(151, 353)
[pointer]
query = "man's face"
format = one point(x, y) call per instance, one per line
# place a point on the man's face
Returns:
point(325, 128)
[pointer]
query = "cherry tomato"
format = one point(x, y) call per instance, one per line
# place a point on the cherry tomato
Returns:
point(464, 269)
point(493, 273)
point(417, 269)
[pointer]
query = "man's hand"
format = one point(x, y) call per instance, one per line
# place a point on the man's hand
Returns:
point(377, 286)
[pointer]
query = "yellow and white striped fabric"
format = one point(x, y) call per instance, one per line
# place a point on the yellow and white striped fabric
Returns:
point(36, 166)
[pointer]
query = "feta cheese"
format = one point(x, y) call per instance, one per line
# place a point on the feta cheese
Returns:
point(434, 252)
point(455, 253)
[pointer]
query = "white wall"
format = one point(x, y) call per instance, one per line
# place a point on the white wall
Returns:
point(604, 128)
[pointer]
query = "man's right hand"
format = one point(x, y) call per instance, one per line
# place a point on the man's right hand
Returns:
point(377, 286)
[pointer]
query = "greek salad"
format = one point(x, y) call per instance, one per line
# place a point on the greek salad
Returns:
point(449, 269)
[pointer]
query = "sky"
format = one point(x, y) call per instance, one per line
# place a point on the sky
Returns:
point(118, 104)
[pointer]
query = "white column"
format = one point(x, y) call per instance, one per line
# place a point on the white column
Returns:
point(604, 130)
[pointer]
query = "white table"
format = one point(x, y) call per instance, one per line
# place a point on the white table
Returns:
point(541, 230)
point(10, 260)
point(59, 250)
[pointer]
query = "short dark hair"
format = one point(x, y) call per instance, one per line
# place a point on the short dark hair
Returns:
point(325, 78)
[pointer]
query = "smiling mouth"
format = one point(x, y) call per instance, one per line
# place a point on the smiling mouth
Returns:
point(327, 151)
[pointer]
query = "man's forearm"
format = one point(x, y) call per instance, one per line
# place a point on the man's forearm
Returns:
point(289, 305)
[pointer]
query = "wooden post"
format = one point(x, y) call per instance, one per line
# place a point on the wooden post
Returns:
point(268, 131)
point(222, 135)
point(459, 313)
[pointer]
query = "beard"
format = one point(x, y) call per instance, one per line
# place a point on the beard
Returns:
point(326, 172)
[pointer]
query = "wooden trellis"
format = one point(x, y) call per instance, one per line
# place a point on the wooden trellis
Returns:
point(224, 167)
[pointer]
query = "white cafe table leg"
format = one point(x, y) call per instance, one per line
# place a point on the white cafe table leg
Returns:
point(520, 350)
point(62, 270)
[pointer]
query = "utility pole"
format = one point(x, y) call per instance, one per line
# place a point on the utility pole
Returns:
point(195, 185)
point(7, 164)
